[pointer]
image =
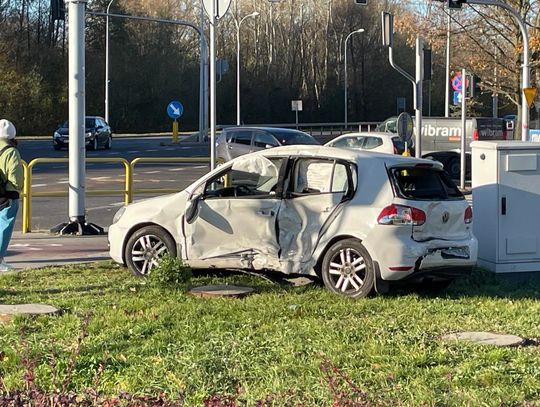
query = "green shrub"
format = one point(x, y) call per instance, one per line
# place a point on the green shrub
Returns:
point(170, 272)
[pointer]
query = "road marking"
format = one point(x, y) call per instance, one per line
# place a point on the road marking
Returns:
point(133, 152)
point(188, 168)
point(151, 172)
point(110, 206)
point(99, 178)
point(39, 185)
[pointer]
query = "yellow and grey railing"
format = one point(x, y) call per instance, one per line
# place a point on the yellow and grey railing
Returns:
point(127, 192)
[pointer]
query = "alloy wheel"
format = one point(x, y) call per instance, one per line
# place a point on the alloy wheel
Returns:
point(146, 252)
point(347, 270)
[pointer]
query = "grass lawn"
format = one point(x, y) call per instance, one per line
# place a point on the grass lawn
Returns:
point(289, 346)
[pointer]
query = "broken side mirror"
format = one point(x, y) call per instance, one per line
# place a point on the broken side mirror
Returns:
point(192, 208)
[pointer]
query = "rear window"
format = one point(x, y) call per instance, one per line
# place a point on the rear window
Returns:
point(294, 137)
point(424, 183)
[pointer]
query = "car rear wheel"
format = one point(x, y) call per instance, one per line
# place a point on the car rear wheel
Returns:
point(454, 168)
point(146, 247)
point(57, 147)
point(347, 269)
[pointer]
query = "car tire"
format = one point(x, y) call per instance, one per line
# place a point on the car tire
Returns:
point(454, 168)
point(94, 144)
point(347, 269)
point(145, 247)
point(108, 143)
point(57, 147)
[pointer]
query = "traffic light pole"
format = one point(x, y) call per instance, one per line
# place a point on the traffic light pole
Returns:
point(525, 76)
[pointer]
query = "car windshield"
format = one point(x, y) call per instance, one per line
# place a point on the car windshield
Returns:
point(89, 122)
point(293, 137)
point(424, 183)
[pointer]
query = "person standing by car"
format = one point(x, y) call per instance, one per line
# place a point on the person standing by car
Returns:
point(11, 182)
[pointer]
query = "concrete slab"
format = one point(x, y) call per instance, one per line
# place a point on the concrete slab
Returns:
point(38, 249)
point(28, 309)
point(221, 290)
point(485, 338)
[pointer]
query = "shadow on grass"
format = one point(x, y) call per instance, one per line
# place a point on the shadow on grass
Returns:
point(483, 283)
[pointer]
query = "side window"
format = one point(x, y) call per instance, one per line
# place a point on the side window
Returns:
point(318, 176)
point(255, 176)
point(372, 142)
point(262, 140)
point(242, 137)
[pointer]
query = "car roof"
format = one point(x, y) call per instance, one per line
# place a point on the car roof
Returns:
point(343, 154)
point(269, 129)
point(368, 133)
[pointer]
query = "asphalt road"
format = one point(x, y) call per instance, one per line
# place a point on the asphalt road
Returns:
point(50, 211)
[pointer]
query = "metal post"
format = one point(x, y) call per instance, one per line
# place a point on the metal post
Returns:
point(77, 127)
point(107, 63)
point(447, 87)
point(418, 95)
point(463, 128)
point(345, 104)
point(213, 21)
point(525, 76)
point(202, 100)
point(238, 25)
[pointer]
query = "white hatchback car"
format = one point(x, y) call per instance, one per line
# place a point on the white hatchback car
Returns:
point(357, 220)
point(379, 142)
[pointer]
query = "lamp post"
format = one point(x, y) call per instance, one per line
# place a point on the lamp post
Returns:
point(360, 30)
point(238, 24)
point(107, 63)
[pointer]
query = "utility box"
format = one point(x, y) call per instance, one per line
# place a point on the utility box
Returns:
point(506, 204)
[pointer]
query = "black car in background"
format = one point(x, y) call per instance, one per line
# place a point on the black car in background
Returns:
point(97, 134)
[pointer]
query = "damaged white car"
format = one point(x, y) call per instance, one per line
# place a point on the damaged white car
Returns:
point(357, 220)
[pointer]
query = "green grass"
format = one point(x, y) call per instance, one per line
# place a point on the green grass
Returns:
point(148, 339)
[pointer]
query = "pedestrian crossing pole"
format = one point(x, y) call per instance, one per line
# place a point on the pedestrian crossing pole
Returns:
point(175, 131)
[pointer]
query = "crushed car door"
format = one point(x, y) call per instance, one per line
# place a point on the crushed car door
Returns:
point(234, 223)
point(314, 189)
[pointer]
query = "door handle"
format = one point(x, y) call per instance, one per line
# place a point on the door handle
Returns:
point(266, 213)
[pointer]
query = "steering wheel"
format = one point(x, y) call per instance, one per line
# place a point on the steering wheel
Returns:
point(241, 190)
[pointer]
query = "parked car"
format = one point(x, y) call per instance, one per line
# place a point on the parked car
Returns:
point(356, 219)
point(373, 141)
point(98, 134)
point(236, 141)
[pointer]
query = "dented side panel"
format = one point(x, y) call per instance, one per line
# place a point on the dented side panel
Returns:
point(240, 232)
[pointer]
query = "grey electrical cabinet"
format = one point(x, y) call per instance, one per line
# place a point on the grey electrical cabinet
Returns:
point(506, 204)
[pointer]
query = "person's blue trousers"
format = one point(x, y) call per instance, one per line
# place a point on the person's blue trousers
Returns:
point(7, 222)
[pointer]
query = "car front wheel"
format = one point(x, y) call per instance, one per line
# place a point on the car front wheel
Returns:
point(347, 269)
point(108, 143)
point(146, 247)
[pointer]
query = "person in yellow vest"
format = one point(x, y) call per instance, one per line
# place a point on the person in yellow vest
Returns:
point(11, 183)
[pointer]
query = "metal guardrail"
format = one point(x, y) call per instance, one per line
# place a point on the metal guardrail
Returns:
point(127, 192)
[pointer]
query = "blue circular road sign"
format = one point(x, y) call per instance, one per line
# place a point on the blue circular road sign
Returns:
point(175, 109)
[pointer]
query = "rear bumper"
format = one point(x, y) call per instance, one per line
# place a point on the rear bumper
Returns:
point(401, 258)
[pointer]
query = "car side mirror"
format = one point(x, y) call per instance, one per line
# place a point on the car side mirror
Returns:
point(192, 209)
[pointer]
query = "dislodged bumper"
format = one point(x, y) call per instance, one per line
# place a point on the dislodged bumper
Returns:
point(405, 258)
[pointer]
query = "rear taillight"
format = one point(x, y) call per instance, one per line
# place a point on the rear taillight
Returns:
point(401, 215)
point(475, 134)
point(467, 217)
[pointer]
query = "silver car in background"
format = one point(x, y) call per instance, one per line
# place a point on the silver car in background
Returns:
point(236, 141)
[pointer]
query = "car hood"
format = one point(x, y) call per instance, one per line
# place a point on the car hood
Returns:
point(163, 210)
point(65, 131)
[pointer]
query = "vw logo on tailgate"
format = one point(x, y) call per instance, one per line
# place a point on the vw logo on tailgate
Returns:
point(445, 217)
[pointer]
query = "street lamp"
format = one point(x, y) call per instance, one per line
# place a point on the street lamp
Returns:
point(238, 24)
point(360, 30)
point(107, 63)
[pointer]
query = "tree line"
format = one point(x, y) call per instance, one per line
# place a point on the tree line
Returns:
point(293, 49)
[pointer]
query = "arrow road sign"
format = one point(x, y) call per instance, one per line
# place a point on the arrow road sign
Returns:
point(175, 109)
point(220, 8)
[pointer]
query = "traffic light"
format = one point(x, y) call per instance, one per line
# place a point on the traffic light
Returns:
point(455, 3)
point(58, 10)
point(474, 86)
point(427, 64)
point(362, 2)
